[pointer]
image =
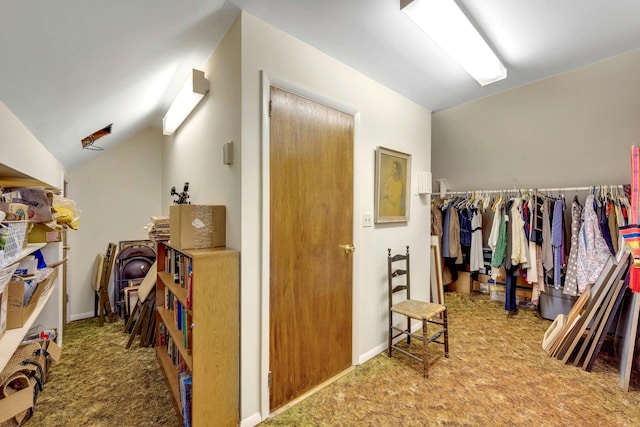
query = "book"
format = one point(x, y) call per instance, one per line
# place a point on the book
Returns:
point(189, 284)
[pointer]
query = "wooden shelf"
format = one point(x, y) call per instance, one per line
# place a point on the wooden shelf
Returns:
point(178, 339)
point(171, 375)
point(214, 359)
point(13, 337)
point(179, 292)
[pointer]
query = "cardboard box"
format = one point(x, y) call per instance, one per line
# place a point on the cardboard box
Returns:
point(197, 226)
point(462, 284)
point(41, 233)
point(17, 312)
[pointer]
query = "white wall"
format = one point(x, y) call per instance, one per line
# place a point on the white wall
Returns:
point(117, 193)
point(32, 159)
point(384, 118)
point(574, 129)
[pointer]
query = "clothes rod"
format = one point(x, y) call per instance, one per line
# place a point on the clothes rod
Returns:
point(542, 190)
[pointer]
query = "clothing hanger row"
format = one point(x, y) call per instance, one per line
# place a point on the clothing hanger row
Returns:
point(559, 191)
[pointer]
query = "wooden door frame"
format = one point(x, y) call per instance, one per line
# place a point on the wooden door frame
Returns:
point(266, 81)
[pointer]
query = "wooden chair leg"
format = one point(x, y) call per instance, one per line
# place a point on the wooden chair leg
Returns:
point(425, 356)
point(445, 321)
point(132, 316)
point(138, 325)
point(145, 323)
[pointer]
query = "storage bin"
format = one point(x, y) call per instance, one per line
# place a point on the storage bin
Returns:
point(12, 239)
point(554, 302)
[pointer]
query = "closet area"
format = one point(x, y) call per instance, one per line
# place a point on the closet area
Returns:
point(558, 251)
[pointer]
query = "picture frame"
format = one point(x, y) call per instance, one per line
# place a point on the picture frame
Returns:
point(392, 186)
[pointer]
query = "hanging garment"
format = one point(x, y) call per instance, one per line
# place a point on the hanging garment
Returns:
point(501, 246)
point(539, 286)
point(518, 240)
point(455, 249)
point(571, 278)
point(537, 221)
point(436, 220)
point(492, 241)
point(465, 227)
point(446, 221)
point(547, 249)
point(510, 289)
point(476, 257)
point(593, 251)
point(532, 269)
point(557, 242)
point(613, 225)
point(509, 235)
point(604, 225)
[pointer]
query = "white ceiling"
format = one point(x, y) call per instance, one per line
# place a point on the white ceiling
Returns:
point(69, 67)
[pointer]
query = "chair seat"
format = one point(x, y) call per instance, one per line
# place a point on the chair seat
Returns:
point(418, 309)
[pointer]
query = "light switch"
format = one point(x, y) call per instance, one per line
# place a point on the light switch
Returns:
point(367, 220)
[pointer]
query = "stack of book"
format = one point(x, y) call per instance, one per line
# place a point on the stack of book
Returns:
point(158, 229)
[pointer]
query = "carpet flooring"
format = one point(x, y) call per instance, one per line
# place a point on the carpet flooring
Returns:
point(497, 375)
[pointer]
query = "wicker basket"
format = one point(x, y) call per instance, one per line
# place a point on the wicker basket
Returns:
point(12, 238)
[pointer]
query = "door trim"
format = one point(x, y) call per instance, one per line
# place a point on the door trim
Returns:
point(266, 81)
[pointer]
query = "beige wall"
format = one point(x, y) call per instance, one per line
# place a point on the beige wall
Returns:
point(383, 118)
point(117, 192)
point(194, 153)
point(574, 129)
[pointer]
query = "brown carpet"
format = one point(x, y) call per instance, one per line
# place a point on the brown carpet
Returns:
point(497, 375)
point(100, 383)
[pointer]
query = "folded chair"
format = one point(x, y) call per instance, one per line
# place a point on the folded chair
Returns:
point(144, 309)
point(104, 266)
point(428, 313)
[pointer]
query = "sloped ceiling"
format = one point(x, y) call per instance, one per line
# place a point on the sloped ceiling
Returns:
point(70, 67)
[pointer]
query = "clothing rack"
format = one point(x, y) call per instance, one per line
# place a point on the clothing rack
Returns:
point(531, 190)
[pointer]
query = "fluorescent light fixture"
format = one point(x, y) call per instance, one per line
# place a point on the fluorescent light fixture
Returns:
point(447, 25)
point(188, 97)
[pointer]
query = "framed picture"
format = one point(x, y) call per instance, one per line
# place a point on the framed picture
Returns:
point(393, 186)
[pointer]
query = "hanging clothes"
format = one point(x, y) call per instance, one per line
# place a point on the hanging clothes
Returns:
point(476, 257)
point(557, 242)
point(612, 222)
point(436, 220)
point(593, 251)
point(518, 240)
point(534, 251)
point(547, 249)
point(501, 245)
point(571, 277)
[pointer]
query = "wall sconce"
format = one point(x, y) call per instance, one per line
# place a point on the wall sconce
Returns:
point(448, 26)
point(227, 153)
point(188, 97)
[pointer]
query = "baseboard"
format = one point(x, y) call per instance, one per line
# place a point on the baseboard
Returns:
point(372, 353)
point(81, 316)
point(252, 420)
point(383, 347)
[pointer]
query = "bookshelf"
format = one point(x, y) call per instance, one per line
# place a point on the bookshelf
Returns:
point(198, 330)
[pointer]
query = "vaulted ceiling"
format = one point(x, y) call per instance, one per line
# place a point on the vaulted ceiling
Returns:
point(69, 68)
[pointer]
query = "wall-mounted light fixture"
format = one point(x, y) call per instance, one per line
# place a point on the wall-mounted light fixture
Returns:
point(189, 96)
point(227, 153)
point(448, 26)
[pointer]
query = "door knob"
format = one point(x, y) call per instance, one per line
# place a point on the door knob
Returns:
point(348, 249)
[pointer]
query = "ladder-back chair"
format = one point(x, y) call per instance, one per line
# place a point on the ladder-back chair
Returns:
point(398, 269)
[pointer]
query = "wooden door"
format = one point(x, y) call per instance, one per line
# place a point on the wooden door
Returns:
point(311, 191)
